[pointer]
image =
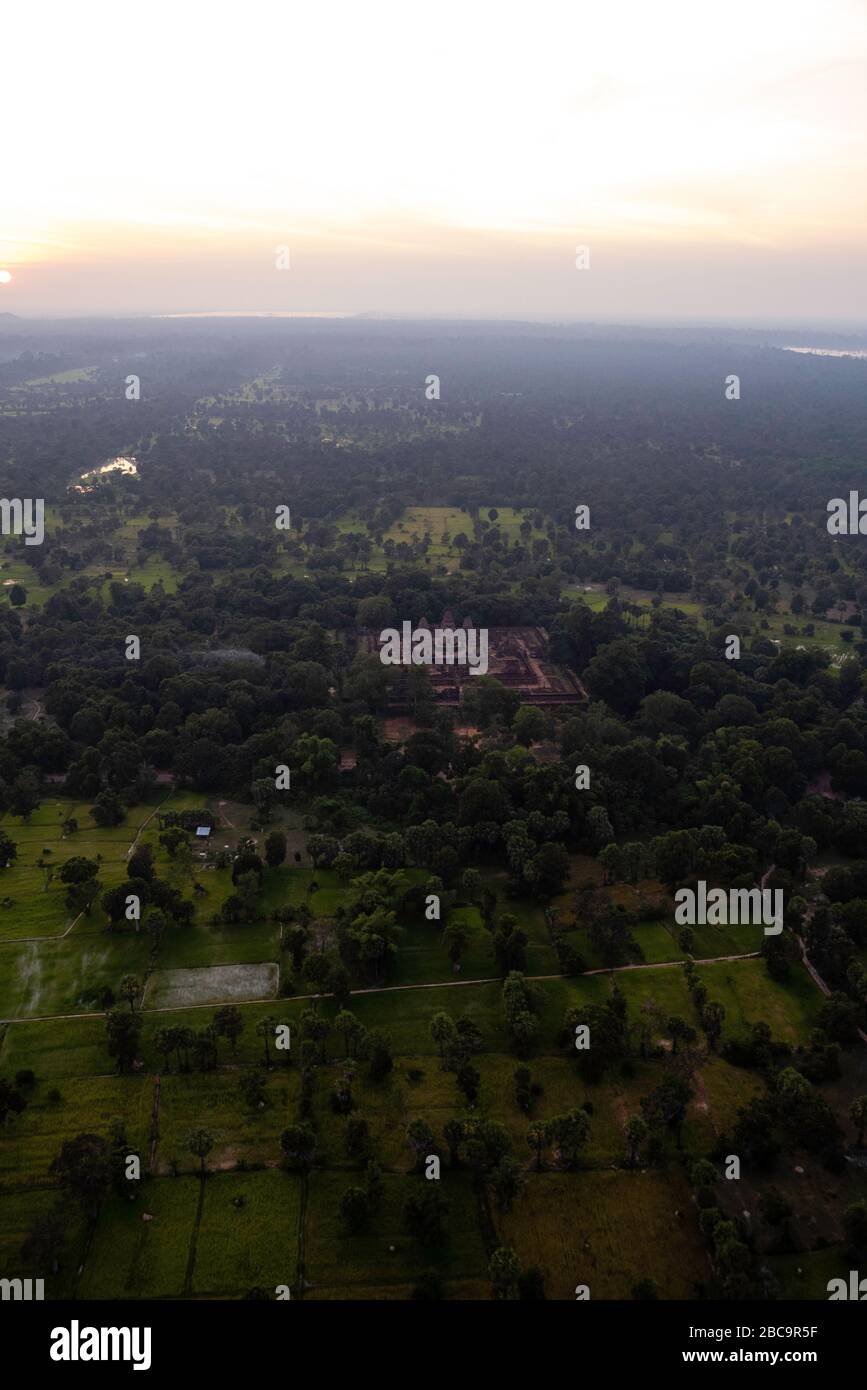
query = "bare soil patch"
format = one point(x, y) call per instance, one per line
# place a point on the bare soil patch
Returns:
point(212, 984)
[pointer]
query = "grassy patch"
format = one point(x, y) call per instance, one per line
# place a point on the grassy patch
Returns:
point(608, 1230)
point(88, 1104)
point(386, 1253)
point(57, 977)
point(214, 1101)
point(131, 1257)
point(749, 996)
point(248, 1233)
point(18, 1211)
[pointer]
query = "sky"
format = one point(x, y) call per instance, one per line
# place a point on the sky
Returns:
point(437, 159)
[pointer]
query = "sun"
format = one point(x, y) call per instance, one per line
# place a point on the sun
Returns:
point(5, 277)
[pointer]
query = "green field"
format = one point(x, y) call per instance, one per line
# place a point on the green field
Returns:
point(252, 1224)
point(607, 1232)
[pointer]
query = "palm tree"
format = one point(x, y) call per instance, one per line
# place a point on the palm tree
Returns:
point(200, 1142)
point(130, 989)
point(265, 1030)
point(185, 1039)
point(858, 1116)
point(165, 1045)
point(442, 1030)
point(537, 1138)
point(636, 1132)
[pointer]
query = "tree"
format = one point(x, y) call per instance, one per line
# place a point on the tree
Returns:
point(229, 1023)
point(205, 1049)
point(45, 1240)
point(375, 612)
point(754, 1135)
point(421, 1140)
point(8, 850)
point(78, 870)
point(454, 1132)
point(529, 725)
point(200, 1142)
point(524, 1093)
point(704, 1178)
point(80, 897)
point(667, 1105)
point(357, 1137)
point(353, 1032)
point(173, 840)
point(377, 1049)
point(275, 849)
point(424, 1215)
point(17, 595)
point(507, 1182)
point(505, 1272)
point(323, 850)
point(374, 1183)
point(252, 1087)
point(108, 809)
point(25, 794)
point(298, 1143)
point(265, 795)
point(456, 940)
point(265, 1030)
point(124, 1031)
point(484, 800)
point(681, 1032)
point(342, 1100)
point(141, 863)
point(164, 1043)
point(509, 944)
point(130, 990)
point(778, 1213)
point(537, 1138)
point(468, 1080)
point(712, 1018)
point(12, 1102)
point(610, 935)
point(316, 1027)
point(84, 1167)
point(246, 861)
point(806, 1115)
point(547, 870)
point(355, 1210)
point(858, 1116)
point(442, 1031)
point(184, 1039)
point(568, 1133)
point(471, 885)
point(839, 1018)
point(636, 1132)
point(855, 1228)
point(155, 925)
point(296, 941)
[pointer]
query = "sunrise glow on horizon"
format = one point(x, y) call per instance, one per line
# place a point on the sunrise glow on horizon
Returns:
point(711, 160)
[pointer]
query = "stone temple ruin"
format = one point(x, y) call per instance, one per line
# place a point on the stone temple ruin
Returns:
point(517, 657)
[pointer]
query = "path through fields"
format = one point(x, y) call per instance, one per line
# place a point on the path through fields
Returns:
point(390, 989)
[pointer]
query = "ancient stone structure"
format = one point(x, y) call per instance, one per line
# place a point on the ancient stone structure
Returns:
point(517, 657)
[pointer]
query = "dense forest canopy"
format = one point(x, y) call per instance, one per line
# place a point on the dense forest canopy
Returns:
point(197, 722)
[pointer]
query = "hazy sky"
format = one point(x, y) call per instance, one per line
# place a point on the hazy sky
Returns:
point(442, 158)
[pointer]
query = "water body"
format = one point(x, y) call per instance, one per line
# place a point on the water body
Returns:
point(261, 314)
point(118, 465)
point(829, 352)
